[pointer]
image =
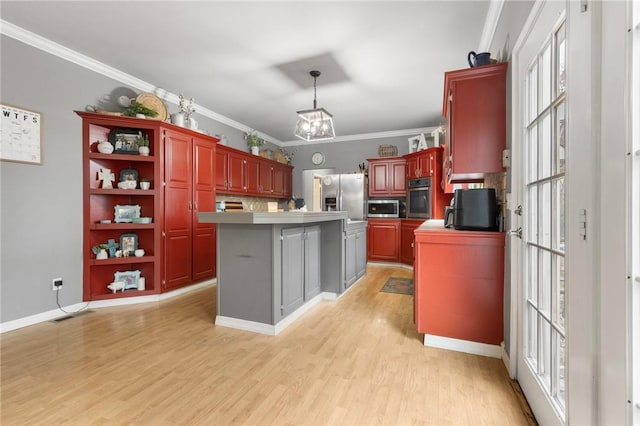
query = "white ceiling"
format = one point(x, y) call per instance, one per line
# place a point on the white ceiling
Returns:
point(382, 61)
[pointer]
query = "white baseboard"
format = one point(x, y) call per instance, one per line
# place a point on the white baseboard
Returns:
point(394, 264)
point(476, 348)
point(71, 309)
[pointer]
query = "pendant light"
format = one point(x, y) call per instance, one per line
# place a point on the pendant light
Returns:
point(315, 124)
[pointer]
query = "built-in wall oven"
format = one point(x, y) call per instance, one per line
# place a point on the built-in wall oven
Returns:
point(419, 198)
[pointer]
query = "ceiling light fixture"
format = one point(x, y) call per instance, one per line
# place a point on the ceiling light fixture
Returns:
point(315, 124)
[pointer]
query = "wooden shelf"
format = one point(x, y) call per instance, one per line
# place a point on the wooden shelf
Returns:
point(120, 226)
point(122, 157)
point(122, 260)
point(117, 191)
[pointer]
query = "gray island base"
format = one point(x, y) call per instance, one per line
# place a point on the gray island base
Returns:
point(274, 267)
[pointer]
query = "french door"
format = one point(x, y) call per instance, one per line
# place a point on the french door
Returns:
point(634, 223)
point(539, 189)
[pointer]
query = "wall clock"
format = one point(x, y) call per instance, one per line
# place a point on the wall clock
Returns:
point(317, 158)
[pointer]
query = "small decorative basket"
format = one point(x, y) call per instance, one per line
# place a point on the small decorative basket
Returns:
point(387, 151)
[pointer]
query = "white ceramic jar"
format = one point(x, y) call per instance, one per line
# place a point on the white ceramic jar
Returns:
point(105, 147)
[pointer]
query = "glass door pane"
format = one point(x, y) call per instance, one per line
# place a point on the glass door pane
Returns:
point(545, 163)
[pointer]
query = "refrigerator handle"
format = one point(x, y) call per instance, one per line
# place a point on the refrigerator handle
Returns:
point(340, 206)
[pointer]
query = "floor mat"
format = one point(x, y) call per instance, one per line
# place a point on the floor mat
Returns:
point(398, 285)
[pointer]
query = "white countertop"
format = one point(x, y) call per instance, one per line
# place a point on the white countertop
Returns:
point(432, 224)
point(255, 218)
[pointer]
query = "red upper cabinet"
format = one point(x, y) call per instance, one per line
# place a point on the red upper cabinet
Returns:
point(474, 105)
point(387, 177)
point(419, 164)
point(238, 172)
point(236, 179)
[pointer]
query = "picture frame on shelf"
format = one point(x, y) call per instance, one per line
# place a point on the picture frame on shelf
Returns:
point(129, 278)
point(124, 141)
point(128, 244)
point(126, 213)
point(128, 175)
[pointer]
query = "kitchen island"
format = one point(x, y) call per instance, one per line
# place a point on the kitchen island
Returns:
point(273, 267)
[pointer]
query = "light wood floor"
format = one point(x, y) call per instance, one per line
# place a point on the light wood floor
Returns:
point(354, 361)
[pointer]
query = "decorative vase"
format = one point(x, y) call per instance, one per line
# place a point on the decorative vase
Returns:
point(145, 185)
point(177, 119)
point(102, 254)
point(143, 150)
point(255, 150)
point(105, 147)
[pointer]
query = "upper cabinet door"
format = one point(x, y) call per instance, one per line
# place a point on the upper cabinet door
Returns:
point(222, 168)
point(398, 181)
point(475, 107)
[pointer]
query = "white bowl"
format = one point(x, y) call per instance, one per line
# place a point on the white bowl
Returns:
point(128, 184)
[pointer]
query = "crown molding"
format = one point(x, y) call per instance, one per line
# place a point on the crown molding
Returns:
point(18, 33)
point(53, 48)
point(490, 25)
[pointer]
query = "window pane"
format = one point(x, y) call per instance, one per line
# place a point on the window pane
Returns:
point(533, 93)
point(545, 74)
point(558, 293)
point(559, 373)
point(559, 145)
point(532, 280)
point(561, 60)
point(544, 353)
point(531, 330)
point(544, 283)
point(544, 209)
point(532, 163)
point(558, 214)
point(532, 232)
point(545, 147)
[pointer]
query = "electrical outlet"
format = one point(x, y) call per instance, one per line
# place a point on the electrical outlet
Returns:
point(56, 284)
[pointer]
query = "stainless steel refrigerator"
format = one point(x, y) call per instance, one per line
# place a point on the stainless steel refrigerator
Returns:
point(345, 192)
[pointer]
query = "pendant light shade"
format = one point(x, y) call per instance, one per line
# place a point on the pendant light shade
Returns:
point(315, 124)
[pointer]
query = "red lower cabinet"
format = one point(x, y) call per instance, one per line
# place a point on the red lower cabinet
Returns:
point(407, 240)
point(383, 239)
point(459, 282)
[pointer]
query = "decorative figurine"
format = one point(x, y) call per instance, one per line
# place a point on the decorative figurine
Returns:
point(113, 246)
point(106, 176)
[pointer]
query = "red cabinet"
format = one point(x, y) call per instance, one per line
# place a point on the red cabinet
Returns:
point(383, 239)
point(459, 280)
point(419, 164)
point(178, 250)
point(189, 187)
point(407, 240)
point(247, 174)
point(474, 105)
point(387, 177)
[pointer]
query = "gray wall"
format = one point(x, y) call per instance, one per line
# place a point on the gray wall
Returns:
point(512, 19)
point(41, 219)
